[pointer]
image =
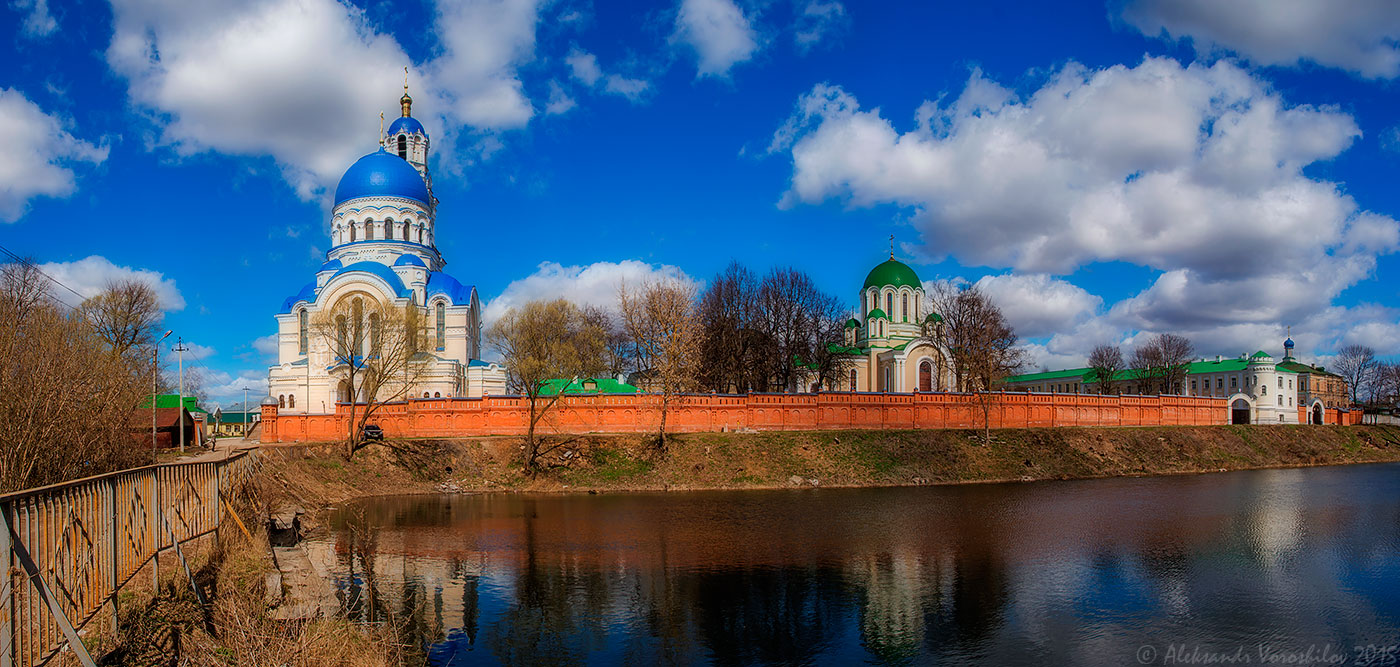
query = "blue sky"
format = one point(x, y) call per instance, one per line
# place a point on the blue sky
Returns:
point(1104, 170)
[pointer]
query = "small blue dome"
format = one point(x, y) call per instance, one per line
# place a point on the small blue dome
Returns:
point(333, 265)
point(409, 260)
point(1288, 343)
point(381, 174)
point(406, 125)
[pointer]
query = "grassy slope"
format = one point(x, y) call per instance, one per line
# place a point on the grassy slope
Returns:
point(314, 476)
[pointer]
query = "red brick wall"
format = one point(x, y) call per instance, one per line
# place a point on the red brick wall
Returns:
point(452, 417)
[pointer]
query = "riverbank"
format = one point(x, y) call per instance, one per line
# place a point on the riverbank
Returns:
point(316, 476)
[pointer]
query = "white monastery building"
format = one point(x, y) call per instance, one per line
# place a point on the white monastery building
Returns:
point(382, 230)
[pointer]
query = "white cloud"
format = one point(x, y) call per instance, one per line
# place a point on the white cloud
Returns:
point(1038, 305)
point(266, 345)
point(89, 276)
point(38, 22)
point(1361, 37)
point(596, 284)
point(197, 352)
point(632, 89)
point(1196, 172)
point(302, 81)
point(584, 66)
point(719, 33)
point(559, 101)
point(817, 21)
point(225, 390)
point(37, 155)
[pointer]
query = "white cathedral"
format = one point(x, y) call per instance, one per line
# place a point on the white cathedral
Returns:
point(382, 232)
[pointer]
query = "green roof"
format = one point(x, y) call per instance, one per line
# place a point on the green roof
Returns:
point(933, 317)
point(842, 349)
point(586, 386)
point(892, 273)
point(876, 313)
point(852, 323)
point(172, 401)
point(1194, 368)
point(1260, 355)
point(1298, 367)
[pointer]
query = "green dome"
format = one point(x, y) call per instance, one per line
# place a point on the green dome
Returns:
point(852, 323)
point(933, 317)
point(892, 272)
point(877, 313)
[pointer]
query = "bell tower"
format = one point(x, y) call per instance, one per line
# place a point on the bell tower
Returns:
point(407, 138)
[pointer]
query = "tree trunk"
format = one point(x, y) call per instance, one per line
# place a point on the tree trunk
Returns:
point(661, 437)
point(532, 448)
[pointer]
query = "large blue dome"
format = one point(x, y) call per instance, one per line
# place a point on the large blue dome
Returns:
point(381, 175)
point(406, 125)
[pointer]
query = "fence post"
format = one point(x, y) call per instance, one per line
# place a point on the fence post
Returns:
point(155, 530)
point(7, 600)
point(112, 535)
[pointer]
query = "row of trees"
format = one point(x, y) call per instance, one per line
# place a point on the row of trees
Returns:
point(743, 334)
point(70, 377)
point(1161, 362)
point(1370, 380)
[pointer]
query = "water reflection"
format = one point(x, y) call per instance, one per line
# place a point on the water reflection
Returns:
point(1063, 572)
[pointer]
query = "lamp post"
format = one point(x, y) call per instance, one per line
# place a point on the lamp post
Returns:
point(155, 372)
point(180, 348)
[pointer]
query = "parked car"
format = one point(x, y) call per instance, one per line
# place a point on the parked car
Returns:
point(372, 432)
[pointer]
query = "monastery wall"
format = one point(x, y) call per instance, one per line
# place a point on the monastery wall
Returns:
point(508, 415)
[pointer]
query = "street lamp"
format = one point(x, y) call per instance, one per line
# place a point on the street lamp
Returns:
point(155, 372)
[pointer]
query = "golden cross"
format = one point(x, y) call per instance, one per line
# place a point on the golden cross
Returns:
point(891, 246)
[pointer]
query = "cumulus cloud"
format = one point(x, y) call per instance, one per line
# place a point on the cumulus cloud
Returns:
point(718, 32)
point(90, 275)
point(38, 22)
point(586, 70)
point(1195, 171)
point(595, 284)
point(266, 345)
point(1038, 305)
point(225, 390)
point(37, 155)
point(817, 21)
point(1360, 37)
point(302, 81)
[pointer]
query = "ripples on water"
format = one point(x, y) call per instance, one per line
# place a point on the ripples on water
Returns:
point(1082, 572)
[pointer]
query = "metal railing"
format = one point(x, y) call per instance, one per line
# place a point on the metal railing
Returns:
point(69, 548)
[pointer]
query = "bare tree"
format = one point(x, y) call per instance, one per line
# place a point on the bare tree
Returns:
point(982, 343)
point(798, 322)
point(1105, 361)
point(541, 341)
point(1162, 362)
point(732, 352)
point(66, 401)
point(374, 349)
point(664, 322)
point(619, 351)
point(125, 315)
point(1356, 364)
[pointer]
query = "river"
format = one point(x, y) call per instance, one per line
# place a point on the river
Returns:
point(1293, 566)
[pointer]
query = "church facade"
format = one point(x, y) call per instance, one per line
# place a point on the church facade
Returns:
point(382, 230)
point(885, 347)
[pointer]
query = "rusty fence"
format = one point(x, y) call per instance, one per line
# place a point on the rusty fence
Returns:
point(69, 548)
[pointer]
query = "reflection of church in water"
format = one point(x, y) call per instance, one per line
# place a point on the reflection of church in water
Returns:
point(383, 238)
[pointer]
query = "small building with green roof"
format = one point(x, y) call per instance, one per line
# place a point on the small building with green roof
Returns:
point(885, 347)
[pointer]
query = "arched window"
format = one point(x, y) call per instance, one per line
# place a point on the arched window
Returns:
point(926, 375)
point(281, 401)
point(420, 233)
point(357, 314)
point(904, 307)
point(405, 230)
point(342, 392)
point(874, 301)
point(853, 380)
point(291, 400)
point(352, 231)
point(425, 395)
point(342, 333)
point(441, 317)
point(301, 331)
point(403, 146)
point(369, 230)
point(437, 394)
point(374, 333)
point(889, 304)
